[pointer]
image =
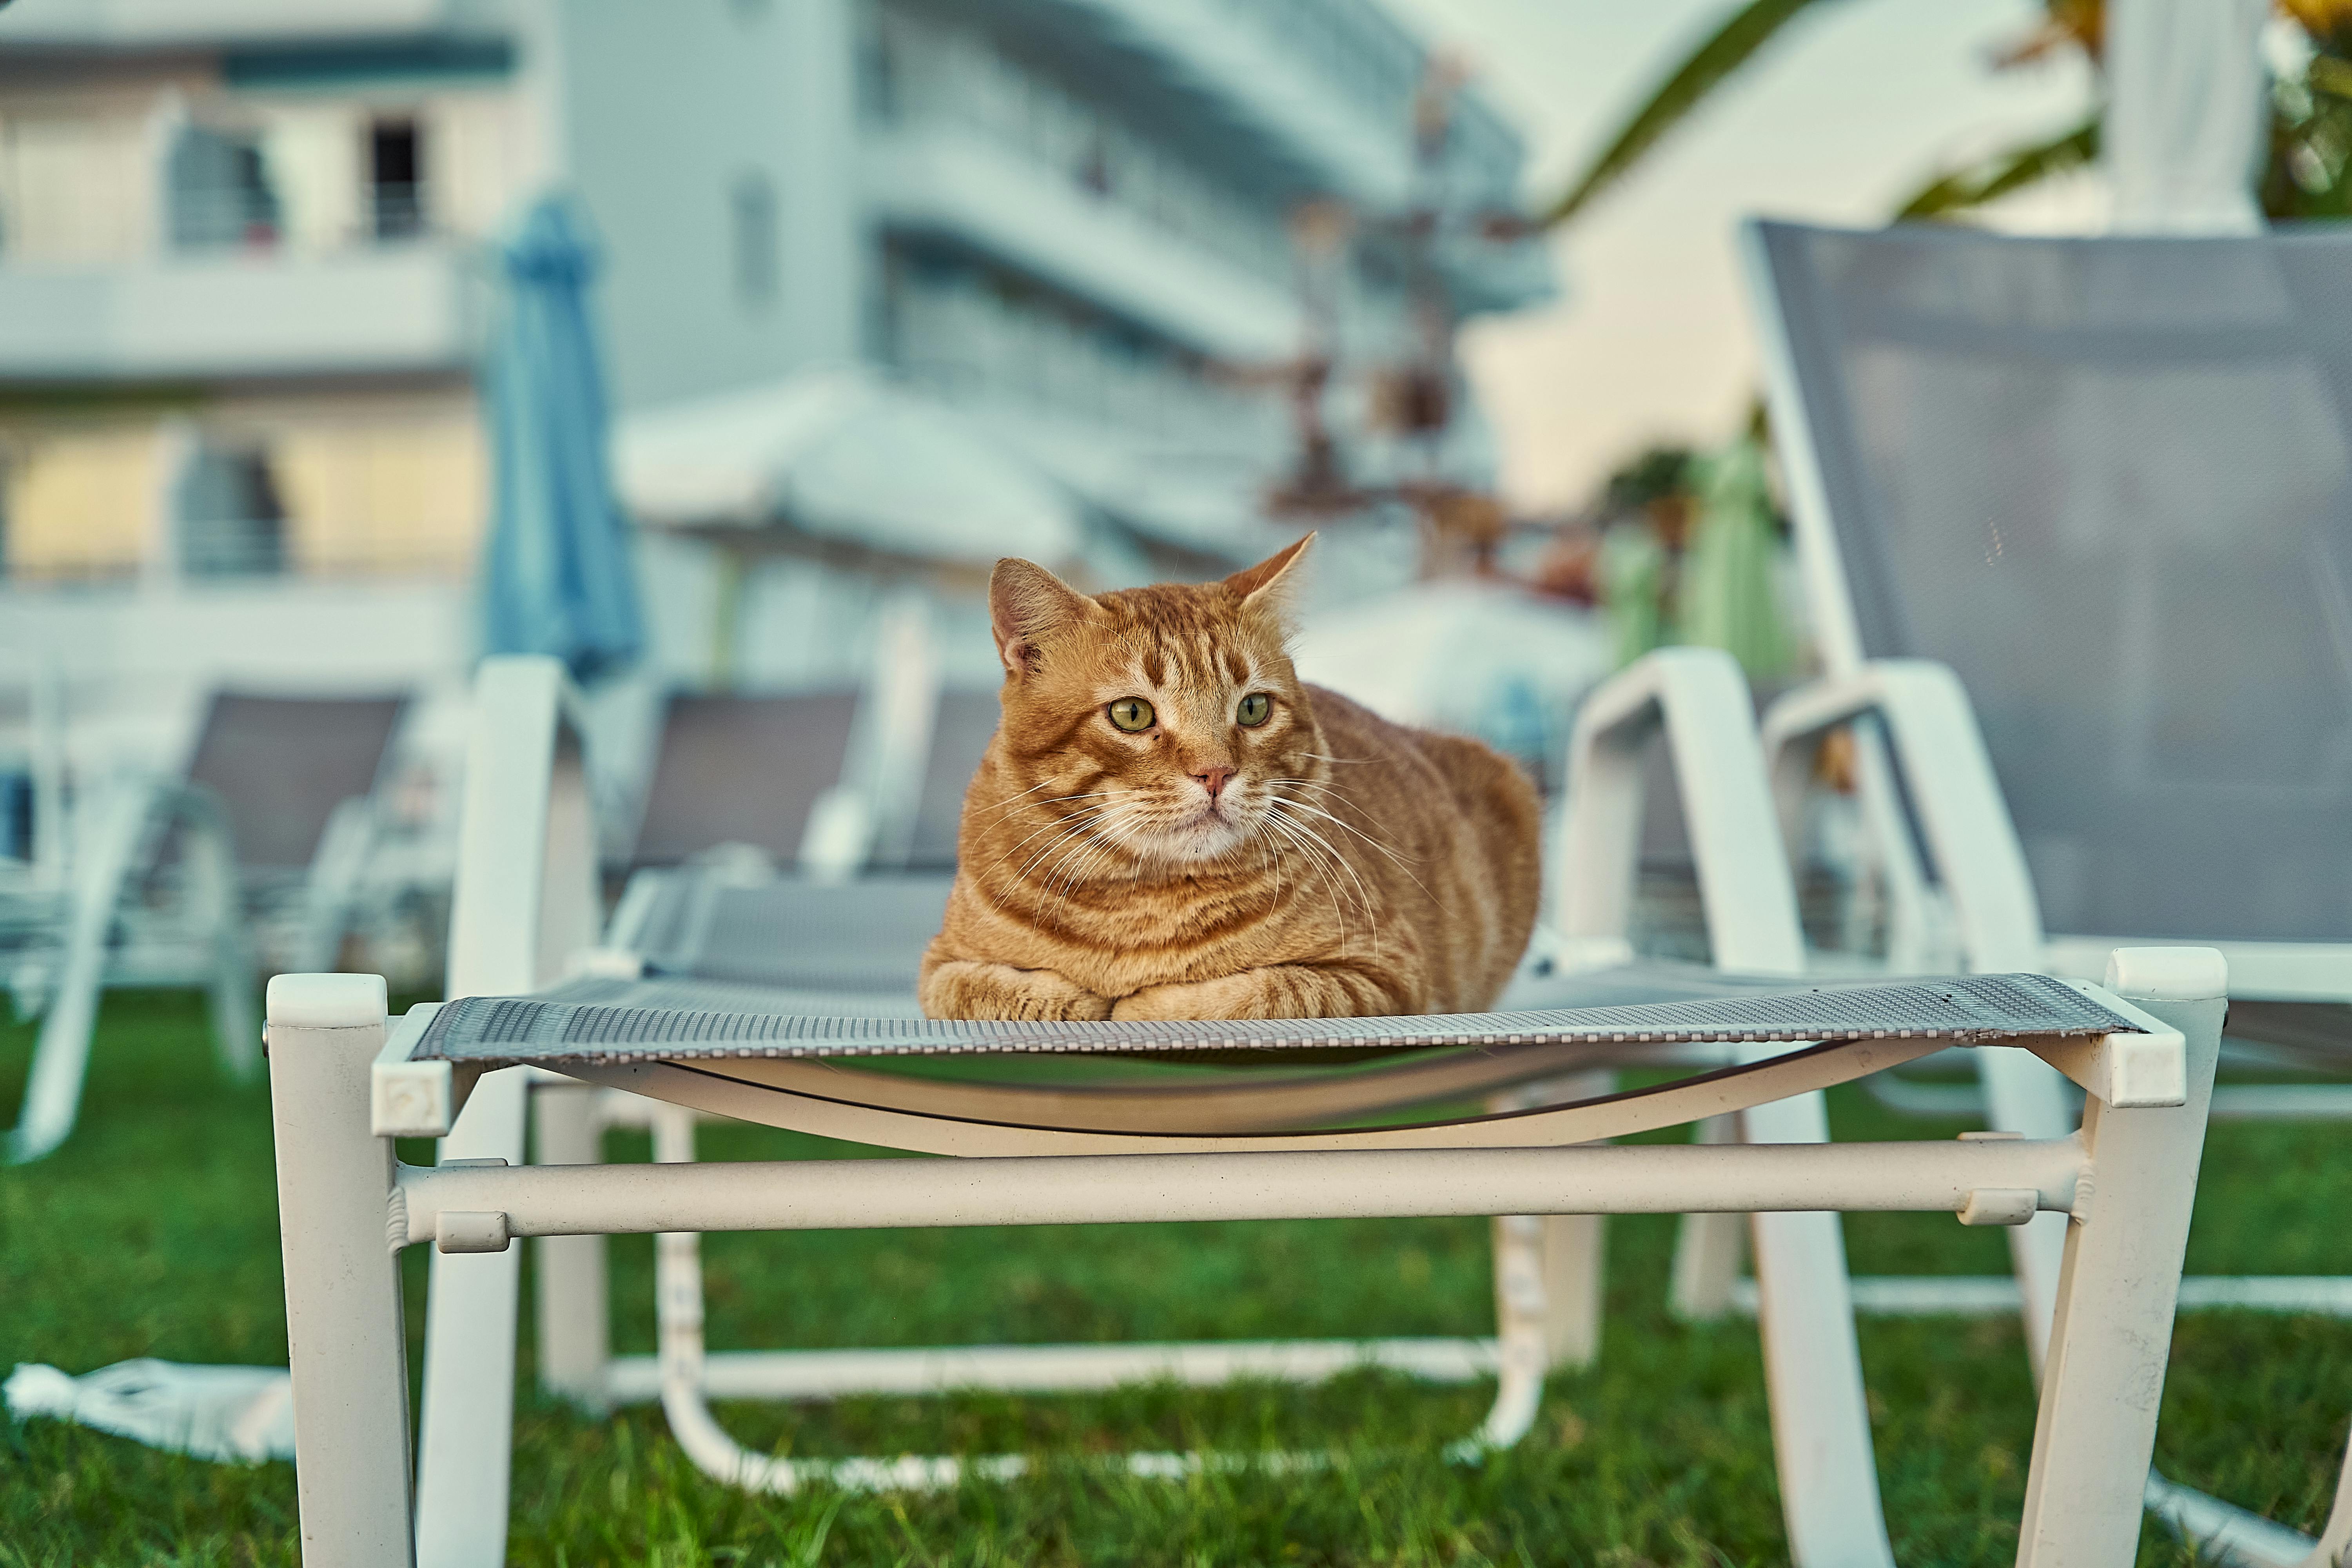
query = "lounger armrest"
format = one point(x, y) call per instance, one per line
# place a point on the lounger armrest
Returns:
point(1931, 730)
point(1698, 698)
point(414, 1098)
point(2124, 1070)
point(525, 898)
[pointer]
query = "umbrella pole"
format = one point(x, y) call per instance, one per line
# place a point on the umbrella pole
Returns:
point(726, 615)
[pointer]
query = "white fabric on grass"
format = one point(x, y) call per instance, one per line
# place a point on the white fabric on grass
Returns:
point(233, 1414)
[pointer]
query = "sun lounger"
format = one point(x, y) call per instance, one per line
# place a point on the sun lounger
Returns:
point(2076, 528)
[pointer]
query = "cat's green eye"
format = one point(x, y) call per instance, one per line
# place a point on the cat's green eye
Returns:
point(1255, 708)
point(1132, 714)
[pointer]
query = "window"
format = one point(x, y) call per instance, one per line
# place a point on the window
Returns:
point(231, 523)
point(220, 191)
point(752, 206)
point(396, 183)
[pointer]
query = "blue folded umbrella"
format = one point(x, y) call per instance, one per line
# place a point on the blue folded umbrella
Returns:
point(557, 575)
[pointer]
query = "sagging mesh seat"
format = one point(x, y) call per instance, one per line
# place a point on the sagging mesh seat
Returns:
point(566, 1027)
point(1171, 1078)
point(2108, 482)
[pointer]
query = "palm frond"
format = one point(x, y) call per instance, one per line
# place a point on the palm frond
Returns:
point(1956, 190)
point(1730, 47)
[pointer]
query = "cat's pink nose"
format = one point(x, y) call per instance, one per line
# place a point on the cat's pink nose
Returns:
point(1213, 778)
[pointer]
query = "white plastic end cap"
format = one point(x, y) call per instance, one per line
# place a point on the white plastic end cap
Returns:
point(327, 1001)
point(2180, 973)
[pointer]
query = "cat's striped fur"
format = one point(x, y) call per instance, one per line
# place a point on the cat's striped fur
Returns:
point(1346, 866)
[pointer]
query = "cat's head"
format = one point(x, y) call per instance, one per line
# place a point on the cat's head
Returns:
point(1167, 722)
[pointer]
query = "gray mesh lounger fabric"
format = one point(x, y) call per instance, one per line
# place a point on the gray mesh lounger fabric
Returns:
point(282, 764)
point(863, 936)
point(2109, 483)
point(866, 940)
point(488, 1031)
point(741, 768)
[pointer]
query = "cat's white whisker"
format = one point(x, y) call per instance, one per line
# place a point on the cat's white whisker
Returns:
point(1033, 789)
point(1082, 820)
point(1018, 805)
point(1402, 860)
point(1322, 857)
point(1061, 820)
point(1362, 891)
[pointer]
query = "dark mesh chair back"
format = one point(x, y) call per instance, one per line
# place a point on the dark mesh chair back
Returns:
point(2109, 482)
point(741, 769)
point(282, 764)
point(959, 737)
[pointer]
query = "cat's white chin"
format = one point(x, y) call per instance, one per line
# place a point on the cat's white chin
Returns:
point(1201, 838)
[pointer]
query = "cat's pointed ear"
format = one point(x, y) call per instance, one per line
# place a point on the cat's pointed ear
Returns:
point(1273, 583)
point(1026, 605)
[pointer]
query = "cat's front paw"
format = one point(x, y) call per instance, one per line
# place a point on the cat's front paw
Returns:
point(1229, 997)
point(1002, 993)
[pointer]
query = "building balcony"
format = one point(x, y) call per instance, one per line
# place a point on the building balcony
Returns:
point(388, 310)
point(1321, 90)
point(148, 24)
point(949, 183)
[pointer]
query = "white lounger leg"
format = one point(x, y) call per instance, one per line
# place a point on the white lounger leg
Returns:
point(342, 1280)
point(466, 1435)
point(1708, 1247)
point(2117, 1292)
point(1820, 1419)
point(2335, 1535)
point(525, 900)
point(1813, 1366)
point(216, 905)
point(2025, 1096)
point(1549, 1273)
point(61, 1053)
point(574, 1330)
point(1927, 719)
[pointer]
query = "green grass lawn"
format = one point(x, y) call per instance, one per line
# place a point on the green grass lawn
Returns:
point(152, 1233)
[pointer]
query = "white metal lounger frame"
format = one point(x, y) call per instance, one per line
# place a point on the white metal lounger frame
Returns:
point(1928, 731)
point(127, 817)
point(347, 1208)
point(522, 870)
point(1548, 1268)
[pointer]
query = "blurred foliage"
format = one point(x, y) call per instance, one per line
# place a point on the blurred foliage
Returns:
point(2307, 172)
point(2015, 168)
point(1687, 552)
point(1719, 57)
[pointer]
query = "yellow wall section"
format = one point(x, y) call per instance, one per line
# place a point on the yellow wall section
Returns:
point(81, 503)
point(401, 494)
point(395, 497)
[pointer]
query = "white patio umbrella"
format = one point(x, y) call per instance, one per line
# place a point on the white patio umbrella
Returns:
point(841, 454)
point(2184, 118)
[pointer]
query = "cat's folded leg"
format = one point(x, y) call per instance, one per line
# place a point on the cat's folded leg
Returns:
point(1276, 991)
point(963, 988)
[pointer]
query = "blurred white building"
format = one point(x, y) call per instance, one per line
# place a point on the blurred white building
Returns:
point(244, 285)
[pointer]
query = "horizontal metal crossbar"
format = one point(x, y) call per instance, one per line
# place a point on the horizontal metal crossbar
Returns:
point(469, 1208)
point(1051, 1369)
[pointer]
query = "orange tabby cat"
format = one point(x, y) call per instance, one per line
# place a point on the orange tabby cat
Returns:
point(1171, 825)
